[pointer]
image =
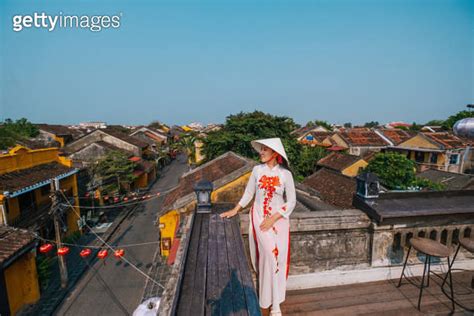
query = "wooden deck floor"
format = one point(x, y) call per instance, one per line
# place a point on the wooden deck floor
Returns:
point(380, 298)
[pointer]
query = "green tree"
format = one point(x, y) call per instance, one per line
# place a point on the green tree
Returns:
point(322, 123)
point(348, 125)
point(112, 170)
point(308, 158)
point(371, 124)
point(156, 124)
point(397, 172)
point(449, 123)
point(187, 144)
point(13, 131)
point(434, 123)
point(414, 127)
point(240, 129)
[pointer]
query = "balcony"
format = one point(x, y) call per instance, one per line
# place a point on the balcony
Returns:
point(31, 216)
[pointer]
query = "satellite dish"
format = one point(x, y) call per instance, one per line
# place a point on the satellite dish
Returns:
point(464, 128)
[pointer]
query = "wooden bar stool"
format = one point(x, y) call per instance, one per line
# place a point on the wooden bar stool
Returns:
point(467, 244)
point(430, 248)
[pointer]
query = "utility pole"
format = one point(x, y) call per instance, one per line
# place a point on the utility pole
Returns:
point(55, 209)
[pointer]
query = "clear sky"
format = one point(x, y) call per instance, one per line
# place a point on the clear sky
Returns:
point(183, 61)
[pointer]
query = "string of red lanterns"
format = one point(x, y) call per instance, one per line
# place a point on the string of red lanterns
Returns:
point(62, 251)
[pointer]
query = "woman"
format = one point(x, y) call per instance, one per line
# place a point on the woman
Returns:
point(269, 229)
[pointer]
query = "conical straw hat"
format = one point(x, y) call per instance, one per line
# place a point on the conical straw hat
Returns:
point(273, 143)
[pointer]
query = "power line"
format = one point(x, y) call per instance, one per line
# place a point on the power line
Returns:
point(110, 247)
point(93, 247)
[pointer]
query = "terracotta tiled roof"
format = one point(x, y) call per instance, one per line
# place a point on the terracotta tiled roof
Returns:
point(362, 137)
point(396, 135)
point(336, 148)
point(446, 140)
point(337, 161)
point(452, 181)
point(320, 136)
point(212, 171)
point(13, 181)
point(58, 130)
point(126, 138)
point(38, 143)
point(12, 241)
point(334, 188)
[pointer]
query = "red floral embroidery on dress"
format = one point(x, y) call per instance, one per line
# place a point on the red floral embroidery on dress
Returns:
point(283, 207)
point(268, 184)
point(275, 252)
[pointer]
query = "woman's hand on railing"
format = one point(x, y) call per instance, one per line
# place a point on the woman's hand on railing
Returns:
point(232, 212)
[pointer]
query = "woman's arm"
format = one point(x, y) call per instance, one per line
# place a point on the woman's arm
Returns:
point(246, 197)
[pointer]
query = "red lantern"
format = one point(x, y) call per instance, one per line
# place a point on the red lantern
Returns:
point(46, 248)
point(102, 254)
point(125, 199)
point(106, 197)
point(63, 251)
point(85, 253)
point(116, 199)
point(87, 195)
point(119, 253)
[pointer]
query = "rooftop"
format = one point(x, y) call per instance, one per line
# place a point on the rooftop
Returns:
point(378, 298)
point(452, 181)
point(13, 241)
point(394, 206)
point(338, 161)
point(396, 135)
point(333, 187)
point(218, 168)
point(17, 180)
point(215, 280)
point(446, 140)
point(362, 137)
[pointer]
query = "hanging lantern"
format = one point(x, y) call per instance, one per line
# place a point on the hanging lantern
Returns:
point(63, 251)
point(87, 195)
point(158, 194)
point(106, 197)
point(116, 199)
point(119, 253)
point(125, 199)
point(46, 248)
point(85, 253)
point(102, 254)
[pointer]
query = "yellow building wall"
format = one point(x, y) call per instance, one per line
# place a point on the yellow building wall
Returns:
point(198, 146)
point(20, 158)
point(21, 280)
point(168, 224)
point(141, 181)
point(339, 141)
point(353, 170)
point(72, 214)
point(60, 140)
point(418, 142)
point(13, 209)
point(231, 192)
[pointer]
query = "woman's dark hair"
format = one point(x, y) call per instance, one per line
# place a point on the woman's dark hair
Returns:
point(284, 164)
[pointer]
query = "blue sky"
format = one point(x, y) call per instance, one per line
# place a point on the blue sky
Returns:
point(183, 61)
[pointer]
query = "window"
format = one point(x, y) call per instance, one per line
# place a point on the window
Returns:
point(434, 158)
point(419, 156)
point(454, 159)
